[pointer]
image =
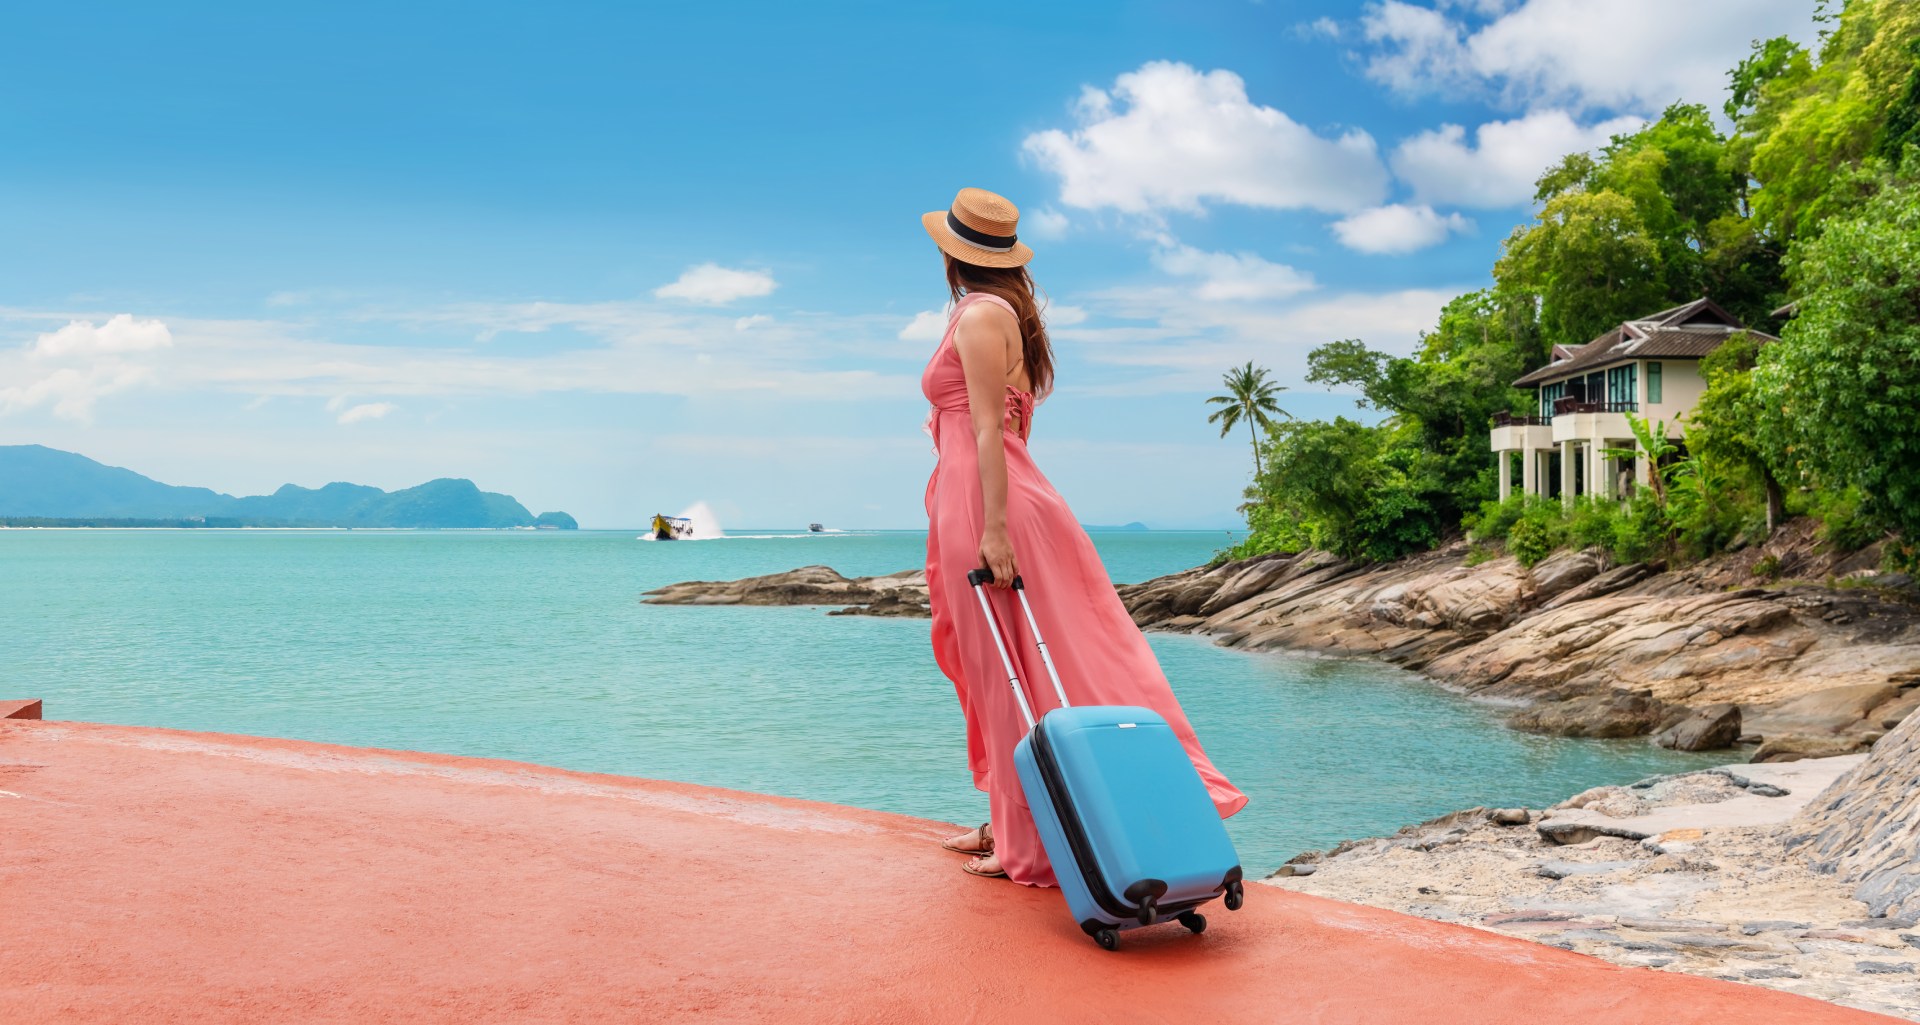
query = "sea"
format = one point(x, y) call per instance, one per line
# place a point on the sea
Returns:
point(535, 646)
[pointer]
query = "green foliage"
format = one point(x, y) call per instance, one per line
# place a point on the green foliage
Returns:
point(1844, 524)
point(1837, 398)
point(1342, 486)
point(1810, 124)
point(1533, 539)
point(1811, 198)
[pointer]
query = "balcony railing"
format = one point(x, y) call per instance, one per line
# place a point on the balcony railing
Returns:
point(1510, 420)
point(1572, 405)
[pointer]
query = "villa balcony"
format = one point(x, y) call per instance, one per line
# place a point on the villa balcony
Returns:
point(1580, 420)
point(1520, 433)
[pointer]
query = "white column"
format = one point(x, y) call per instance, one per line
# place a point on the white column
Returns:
point(1642, 466)
point(1504, 465)
point(1566, 473)
point(1530, 471)
point(1597, 481)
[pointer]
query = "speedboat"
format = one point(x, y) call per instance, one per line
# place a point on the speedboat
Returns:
point(816, 528)
point(671, 528)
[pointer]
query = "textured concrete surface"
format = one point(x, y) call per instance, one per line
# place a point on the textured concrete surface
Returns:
point(156, 876)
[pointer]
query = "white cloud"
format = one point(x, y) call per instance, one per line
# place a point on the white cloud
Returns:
point(1179, 341)
point(748, 323)
point(1168, 137)
point(70, 369)
point(1231, 276)
point(1637, 55)
point(710, 284)
point(1323, 26)
point(366, 411)
point(926, 326)
point(1045, 222)
point(1504, 160)
point(120, 333)
point(1397, 228)
point(1058, 315)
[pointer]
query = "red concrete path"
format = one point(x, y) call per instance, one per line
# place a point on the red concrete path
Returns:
point(155, 876)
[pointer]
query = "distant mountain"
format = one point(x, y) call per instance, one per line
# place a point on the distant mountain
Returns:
point(36, 481)
point(1102, 526)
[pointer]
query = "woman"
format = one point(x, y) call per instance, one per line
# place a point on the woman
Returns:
point(988, 505)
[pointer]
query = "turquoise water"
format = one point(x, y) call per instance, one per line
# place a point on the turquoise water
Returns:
point(534, 646)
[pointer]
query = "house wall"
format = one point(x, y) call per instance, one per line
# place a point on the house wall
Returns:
point(1680, 393)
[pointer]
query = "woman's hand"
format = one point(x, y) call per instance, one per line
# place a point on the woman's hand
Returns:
point(996, 554)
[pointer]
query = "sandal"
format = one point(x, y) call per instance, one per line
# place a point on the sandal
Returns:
point(986, 841)
point(972, 868)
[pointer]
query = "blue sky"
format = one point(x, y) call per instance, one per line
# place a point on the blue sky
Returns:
point(616, 258)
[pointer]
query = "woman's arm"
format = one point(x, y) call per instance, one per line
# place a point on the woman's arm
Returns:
point(986, 336)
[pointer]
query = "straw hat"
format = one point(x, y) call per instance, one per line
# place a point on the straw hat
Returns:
point(979, 229)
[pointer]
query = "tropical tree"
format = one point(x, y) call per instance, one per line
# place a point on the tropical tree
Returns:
point(1250, 397)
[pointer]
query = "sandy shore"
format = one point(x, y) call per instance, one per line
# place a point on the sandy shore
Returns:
point(155, 876)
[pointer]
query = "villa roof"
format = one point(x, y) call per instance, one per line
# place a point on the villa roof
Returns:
point(1688, 331)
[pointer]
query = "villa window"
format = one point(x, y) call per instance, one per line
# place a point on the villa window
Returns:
point(1549, 395)
point(1621, 387)
point(1653, 383)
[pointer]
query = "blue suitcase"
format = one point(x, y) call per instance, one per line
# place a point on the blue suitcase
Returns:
point(1124, 817)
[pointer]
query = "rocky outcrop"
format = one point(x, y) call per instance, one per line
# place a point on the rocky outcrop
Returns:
point(1588, 649)
point(1865, 828)
point(1698, 657)
point(896, 594)
point(1689, 873)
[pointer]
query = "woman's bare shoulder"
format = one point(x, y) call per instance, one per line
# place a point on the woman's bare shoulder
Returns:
point(987, 315)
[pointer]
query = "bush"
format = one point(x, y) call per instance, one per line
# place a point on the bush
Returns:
point(1531, 540)
point(1590, 523)
point(1641, 532)
point(1844, 522)
point(1495, 519)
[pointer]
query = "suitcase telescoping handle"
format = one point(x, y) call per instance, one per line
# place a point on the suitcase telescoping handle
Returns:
point(985, 576)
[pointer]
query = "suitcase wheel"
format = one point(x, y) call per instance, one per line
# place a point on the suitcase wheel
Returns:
point(1194, 921)
point(1236, 896)
point(1107, 938)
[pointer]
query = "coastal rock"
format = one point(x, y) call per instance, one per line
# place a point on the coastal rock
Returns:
point(1713, 726)
point(1714, 911)
point(1562, 572)
point(1865, 828)
point(1607, 714)
point(896, 594)
point(1795, 746)
point(1827, 711)
point(1622, 651)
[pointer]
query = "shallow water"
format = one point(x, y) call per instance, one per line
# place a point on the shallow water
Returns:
point(535, 647)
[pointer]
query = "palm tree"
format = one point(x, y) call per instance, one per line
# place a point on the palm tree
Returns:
point(1250, 397)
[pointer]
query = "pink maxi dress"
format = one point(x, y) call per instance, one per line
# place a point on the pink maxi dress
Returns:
point(1101, 655)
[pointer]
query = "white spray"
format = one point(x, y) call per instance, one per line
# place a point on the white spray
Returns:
point(706, 525)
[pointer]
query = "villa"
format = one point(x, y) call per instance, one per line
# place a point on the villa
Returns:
point(1649, 367)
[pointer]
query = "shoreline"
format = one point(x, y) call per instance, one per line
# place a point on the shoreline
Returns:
point(1702, 658)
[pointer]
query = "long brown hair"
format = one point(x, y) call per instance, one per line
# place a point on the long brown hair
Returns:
point(1014, 285)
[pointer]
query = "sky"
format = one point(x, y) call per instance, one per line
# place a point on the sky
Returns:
point(618, 258)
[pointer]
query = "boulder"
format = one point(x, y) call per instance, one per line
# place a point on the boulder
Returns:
point(1792, 747)
point(1562, 572)
point(1609, 713)
point(1827, 711)
point(1713, 726)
